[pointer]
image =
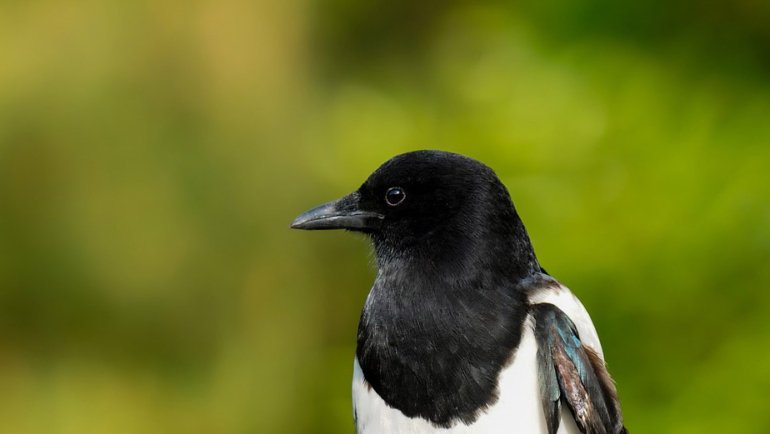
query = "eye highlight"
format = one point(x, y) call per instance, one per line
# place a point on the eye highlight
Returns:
point(394, 196)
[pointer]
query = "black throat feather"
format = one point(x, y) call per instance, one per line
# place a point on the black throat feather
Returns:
point(446, 312)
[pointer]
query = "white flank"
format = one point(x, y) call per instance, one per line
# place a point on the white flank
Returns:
point(561, 297)
point(517, 411)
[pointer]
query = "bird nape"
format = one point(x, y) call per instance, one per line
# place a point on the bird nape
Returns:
point(463, 331)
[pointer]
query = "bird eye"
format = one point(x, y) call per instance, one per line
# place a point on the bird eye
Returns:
point(394, 196)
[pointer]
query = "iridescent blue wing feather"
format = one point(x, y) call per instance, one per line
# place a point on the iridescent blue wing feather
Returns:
point(573, 373)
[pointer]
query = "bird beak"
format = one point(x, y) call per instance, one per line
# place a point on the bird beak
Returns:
point(344, 213)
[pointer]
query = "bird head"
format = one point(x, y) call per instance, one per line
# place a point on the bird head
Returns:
point(427, 203)
point(410, 195)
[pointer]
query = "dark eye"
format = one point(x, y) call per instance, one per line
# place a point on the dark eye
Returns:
point(394, 196)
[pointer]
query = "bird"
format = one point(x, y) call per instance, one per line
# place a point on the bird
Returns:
point(463, 332)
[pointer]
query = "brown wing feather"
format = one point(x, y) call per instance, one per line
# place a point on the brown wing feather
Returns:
point(573, 373)
point(575, 393)
point(608, 389)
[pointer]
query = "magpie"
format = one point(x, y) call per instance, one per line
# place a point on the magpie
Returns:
point(463, 331)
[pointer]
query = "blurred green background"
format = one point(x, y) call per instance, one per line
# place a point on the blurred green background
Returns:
point(153, 153)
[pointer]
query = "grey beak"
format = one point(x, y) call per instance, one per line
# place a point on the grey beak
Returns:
point(343, 213)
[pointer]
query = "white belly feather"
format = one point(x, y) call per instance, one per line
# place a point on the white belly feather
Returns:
point(518, 409)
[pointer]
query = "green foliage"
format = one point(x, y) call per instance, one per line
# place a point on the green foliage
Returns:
point(152, 155)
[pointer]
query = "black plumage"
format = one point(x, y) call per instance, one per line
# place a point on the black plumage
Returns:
point(450, 301)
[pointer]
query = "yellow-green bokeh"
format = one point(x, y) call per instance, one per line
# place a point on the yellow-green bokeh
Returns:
point(152, 155)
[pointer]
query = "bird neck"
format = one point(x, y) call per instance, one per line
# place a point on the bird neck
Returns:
point(466, 247)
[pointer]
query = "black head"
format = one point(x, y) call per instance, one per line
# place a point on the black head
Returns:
point(428, 203)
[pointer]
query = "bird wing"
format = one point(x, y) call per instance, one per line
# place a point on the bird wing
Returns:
point(572, 372)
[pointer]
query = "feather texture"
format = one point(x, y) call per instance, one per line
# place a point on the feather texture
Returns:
point(572, 372)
